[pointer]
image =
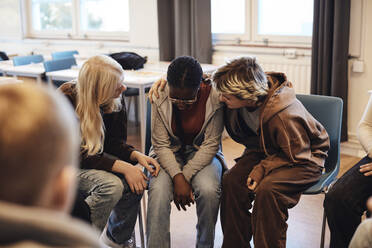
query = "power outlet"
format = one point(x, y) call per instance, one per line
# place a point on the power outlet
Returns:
point(290, 53)
point(358, 66)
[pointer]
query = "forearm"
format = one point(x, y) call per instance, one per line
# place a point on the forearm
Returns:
point(168, 161)
point(120, 166)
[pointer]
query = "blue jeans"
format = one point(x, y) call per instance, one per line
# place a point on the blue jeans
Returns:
point(206, 186)
point(109, 193)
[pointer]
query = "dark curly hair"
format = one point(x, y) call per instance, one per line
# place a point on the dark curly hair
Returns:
point(184, 72)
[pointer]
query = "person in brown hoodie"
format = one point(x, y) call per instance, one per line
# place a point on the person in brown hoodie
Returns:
point(284, 155)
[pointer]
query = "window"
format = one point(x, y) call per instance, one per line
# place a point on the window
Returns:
point(262, 21)
point(79, 19)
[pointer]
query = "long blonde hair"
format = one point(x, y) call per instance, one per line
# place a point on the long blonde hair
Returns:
point(97, 82)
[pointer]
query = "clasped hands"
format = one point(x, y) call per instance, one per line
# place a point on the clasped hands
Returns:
point(183, 195)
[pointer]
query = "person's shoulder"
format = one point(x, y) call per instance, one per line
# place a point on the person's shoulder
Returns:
point(214, 95)
point(163, 94)
point(68, 88)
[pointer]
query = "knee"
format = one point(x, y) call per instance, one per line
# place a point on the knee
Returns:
point(228, 180)
point(159, 191)
point(333, 198)
point(265, 189)
point(209, 192)
point(112, 188)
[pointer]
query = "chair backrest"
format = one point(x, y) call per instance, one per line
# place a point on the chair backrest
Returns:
point(328, 111)
point(25, 60)
point(64, 54)
point(148, 127)
point(59, 64)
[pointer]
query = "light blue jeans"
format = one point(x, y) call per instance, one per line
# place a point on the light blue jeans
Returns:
point(107, 193)
point(206, 186)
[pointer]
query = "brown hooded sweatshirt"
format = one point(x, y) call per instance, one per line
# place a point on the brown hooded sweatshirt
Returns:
point(288, 134)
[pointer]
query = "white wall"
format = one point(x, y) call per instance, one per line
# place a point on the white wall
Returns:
point(143, 34)
point(360, 83)
point(10, 20)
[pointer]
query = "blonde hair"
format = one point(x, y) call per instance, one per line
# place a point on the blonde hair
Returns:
point(39, 136)
point(97, 82)
point(243, 78)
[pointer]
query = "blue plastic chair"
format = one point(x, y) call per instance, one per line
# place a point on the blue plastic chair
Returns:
point(328, 111)
point(64, 54)
point(59, 64)
point(25, 60)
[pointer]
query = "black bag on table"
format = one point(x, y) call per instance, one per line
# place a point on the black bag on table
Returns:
point(129, 60)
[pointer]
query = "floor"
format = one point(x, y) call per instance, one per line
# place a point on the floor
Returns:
point(304, 223)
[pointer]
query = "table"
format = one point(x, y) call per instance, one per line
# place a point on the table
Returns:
point(30, 70)
point(63, 75)
point(9, 80)
point(5, 64)
point(140, 79)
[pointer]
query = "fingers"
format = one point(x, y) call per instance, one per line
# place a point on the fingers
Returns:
point(192, 197)
point(163, 82)
point(150, 96)
point(144, 176)
point(177, 204)
point(366, 169)
point(157, 166)
point(131, 186)
point(369, 204)
point(148, 167)
point(137, 189)
point(367, 174)
point(249, 181)
point(156, 87)
point(144, 184)
point(253, 186)
point(181, 202)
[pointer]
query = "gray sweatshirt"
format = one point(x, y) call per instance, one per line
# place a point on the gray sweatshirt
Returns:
point(166, 144)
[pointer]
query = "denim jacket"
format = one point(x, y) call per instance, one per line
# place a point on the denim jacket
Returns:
point(166, 144)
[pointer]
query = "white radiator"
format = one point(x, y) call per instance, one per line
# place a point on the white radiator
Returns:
point(298, 73)
point(298, 70)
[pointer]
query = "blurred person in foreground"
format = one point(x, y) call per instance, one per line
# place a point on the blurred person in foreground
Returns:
point(39, 149)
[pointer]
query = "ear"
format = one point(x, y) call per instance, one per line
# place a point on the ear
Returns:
point(64, 189)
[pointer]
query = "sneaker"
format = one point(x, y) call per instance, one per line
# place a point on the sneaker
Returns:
point(106, 242)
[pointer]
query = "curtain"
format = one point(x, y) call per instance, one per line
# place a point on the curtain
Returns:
point(185, 29)
point(330, 49)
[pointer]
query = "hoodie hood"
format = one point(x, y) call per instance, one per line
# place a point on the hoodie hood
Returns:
point(281, 95)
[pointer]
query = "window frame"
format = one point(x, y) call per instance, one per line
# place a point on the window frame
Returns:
point(251, 37)
point(75, 33)
point(238, 38)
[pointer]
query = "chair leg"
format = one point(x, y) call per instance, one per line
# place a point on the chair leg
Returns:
point(136, 109)
point(142, 234)
point(322, 237)
point(128, 103)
